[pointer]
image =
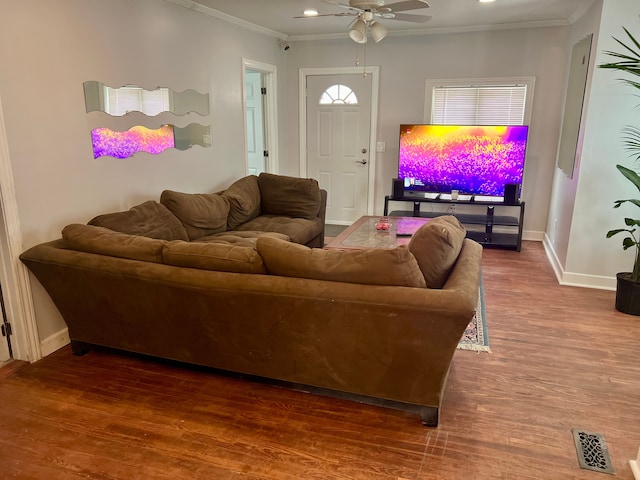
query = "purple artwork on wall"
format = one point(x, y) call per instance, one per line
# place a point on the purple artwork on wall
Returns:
point(136, 139)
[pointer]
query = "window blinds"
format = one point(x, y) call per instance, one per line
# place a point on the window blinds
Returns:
point(471, 105)
point(136, 99)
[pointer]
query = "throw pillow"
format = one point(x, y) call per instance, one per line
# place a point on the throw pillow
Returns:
point(103, 241)
point(436, 246)
point(375, 266)
point(149, 219)
point(221, 257)
point(201, 214)
point(289, 196)
point(244, 201)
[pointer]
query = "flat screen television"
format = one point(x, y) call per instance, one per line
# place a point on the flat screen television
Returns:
point(475, 160)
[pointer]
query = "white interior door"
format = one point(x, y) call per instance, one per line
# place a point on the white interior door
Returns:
point(254, 107)
point(338, 128)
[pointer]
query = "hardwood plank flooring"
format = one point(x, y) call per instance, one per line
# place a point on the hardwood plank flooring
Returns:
point(562, 358)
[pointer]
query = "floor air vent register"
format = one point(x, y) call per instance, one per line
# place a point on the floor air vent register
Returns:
point(592, 451)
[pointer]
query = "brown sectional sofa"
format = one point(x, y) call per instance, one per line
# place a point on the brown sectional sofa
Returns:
point(290, 206)
point(377, 326)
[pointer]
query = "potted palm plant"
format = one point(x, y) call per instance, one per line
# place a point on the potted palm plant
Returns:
point(628, 283)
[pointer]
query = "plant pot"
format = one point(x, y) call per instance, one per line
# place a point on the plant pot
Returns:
point(627, 294)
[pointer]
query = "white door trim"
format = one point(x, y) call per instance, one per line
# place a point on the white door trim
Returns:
point(374, 71)
point(271, 114)
point(13, 274)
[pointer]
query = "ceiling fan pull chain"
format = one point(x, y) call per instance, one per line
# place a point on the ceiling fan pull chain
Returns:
point(364, 58)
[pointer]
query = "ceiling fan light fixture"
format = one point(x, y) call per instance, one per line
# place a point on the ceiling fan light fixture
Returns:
point(358, 32)
point(378, 32)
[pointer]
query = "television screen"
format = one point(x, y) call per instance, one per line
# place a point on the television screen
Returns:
point(475, 160)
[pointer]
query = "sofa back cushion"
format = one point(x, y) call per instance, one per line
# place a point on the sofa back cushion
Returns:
point(222, 257)
point(436, 246)
point(201, 214)
point(289, 196)
point(244, 201)
point(149, 219)
point(375, 266)
point(103, 241)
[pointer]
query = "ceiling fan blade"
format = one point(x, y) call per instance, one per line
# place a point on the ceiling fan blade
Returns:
point(407, 5)
point(408, 17)
point(327, 15)
point(338, 4)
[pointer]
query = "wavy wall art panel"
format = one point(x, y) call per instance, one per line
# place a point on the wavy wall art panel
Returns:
point(107, 142)
point(132, 98)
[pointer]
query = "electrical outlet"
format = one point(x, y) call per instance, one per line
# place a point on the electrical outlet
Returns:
point(206, 139)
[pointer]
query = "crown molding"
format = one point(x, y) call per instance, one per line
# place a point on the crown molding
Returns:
point(211, 12)
point(195, 6)
point(584, 7)
point(442, 30)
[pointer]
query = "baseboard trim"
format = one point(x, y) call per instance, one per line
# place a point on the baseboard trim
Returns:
point(533, 235)
point(553, 258)
point(570, 279)
point(635, 466)
point(55, 342)
point(588, 281)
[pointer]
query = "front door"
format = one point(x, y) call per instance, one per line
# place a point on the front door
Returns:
point(338, 137)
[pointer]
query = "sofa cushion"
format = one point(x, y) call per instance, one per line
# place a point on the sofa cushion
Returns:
point(201, 214)
point(299, 230)
point(436, 246)
point(244, 201)
point(374, 266)
point(289, 196)
point(149, 219)
point(246, 239)
point(103, 241)
point(213, 256)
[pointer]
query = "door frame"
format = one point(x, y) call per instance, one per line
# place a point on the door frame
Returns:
point(374, 71)
point(270, 115)
point(14, 276)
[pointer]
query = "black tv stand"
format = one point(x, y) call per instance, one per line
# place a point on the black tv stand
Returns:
point(496, 224)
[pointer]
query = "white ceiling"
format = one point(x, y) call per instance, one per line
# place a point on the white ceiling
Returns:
point(276, 16)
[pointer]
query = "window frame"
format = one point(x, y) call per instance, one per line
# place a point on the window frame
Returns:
point(480, 82)
point(340, 100)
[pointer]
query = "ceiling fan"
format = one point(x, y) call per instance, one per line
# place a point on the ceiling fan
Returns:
point(366, 12)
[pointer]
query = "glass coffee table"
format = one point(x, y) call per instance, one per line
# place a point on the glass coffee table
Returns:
point(363, 233)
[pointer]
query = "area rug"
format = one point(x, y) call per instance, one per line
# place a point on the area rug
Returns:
point(333, 230)
point(476, 336)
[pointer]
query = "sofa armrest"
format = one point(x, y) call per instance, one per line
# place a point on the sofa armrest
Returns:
point(318, 240)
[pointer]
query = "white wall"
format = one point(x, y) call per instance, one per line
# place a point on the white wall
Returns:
point(406, 62)
point(591, 258)
point(48, 49)
point(564, 188)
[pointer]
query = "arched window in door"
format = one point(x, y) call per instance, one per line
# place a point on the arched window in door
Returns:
point(338, 95)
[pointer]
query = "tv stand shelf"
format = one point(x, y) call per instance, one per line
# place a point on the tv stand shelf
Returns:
point(492, 226)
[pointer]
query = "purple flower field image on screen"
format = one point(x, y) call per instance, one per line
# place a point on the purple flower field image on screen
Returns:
point(472, 159)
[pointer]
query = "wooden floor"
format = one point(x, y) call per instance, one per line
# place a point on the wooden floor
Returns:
point(562, 358)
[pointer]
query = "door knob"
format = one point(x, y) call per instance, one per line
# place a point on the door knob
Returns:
point(363, 162)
